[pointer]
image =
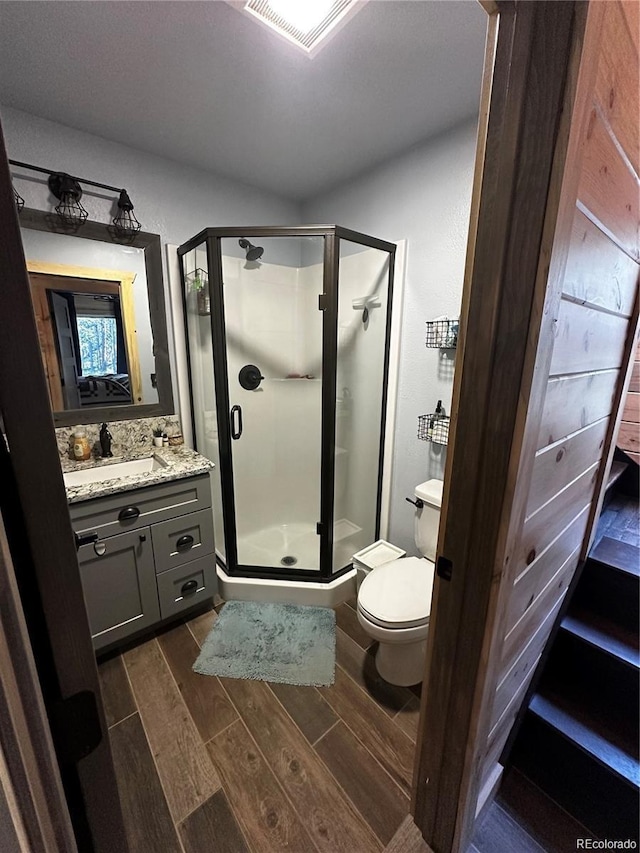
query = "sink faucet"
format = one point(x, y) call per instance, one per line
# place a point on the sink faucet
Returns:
point(105, 441)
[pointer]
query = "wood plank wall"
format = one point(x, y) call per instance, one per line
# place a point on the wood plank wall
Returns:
point(629, 434)
point(591, 325)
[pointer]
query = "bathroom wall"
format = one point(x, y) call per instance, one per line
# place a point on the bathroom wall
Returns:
point(424, 197)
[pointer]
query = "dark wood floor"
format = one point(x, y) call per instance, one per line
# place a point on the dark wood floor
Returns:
point(231, 766)
point(208, 764)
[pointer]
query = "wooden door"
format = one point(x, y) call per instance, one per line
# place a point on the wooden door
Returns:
point(43, 551)
point(550, 316)
point(67, 350)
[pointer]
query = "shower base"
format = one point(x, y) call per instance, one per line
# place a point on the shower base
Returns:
point(295, 546)
point(329, 594)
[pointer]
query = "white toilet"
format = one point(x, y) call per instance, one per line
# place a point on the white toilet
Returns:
point(394, 599)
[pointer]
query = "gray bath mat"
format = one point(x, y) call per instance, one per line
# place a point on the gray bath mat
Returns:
point(284, 643)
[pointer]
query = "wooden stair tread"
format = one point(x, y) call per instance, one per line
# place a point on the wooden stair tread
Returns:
point(619, 555)
point(617, 470)
point(605, 634)
point(589, 733)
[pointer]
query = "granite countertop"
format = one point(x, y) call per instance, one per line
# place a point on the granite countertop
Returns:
point(179, 462)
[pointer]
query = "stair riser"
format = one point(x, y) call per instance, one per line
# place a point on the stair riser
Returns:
point(597, 798)
point(609, 592)
point(607, 683)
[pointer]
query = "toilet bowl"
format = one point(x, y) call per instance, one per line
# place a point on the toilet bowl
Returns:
point(394, 598)
point(394, 604)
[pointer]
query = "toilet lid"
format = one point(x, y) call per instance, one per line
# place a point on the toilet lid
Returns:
point(398, 594)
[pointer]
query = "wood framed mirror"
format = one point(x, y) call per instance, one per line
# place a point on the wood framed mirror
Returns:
point(101, 318)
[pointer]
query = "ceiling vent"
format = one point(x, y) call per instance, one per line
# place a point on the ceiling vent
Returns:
point(309, 24)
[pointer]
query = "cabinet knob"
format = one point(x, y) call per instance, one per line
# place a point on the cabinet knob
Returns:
point(189, 587)
point(184, 542)
point(143, 538)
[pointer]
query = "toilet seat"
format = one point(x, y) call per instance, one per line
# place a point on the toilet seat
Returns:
point(397, 595)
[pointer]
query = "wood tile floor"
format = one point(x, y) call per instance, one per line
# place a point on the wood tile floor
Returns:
point(226, 765)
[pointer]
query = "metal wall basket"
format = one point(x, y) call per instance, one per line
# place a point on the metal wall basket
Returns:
point(442, 334)
point(197, 283)
point(434, 428)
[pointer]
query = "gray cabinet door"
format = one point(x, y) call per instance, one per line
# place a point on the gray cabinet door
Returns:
point(119, 583)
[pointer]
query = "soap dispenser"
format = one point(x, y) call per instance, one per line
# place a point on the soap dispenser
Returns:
point(105, 441)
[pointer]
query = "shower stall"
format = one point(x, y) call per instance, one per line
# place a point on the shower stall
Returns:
point(287, 335)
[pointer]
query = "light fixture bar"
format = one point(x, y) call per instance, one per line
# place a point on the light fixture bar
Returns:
point(67, 188)
point(73, 177)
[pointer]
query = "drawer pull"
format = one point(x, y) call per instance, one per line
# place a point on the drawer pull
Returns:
point(100, 548)
point(129, 513)
point(184, 542)
point(189, 587)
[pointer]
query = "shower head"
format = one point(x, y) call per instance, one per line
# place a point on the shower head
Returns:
point(253, 252)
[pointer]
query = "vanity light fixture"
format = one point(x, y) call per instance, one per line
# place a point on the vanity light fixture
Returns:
point(68, 190)
point(306, 23)
point(19, 201)
point(125, 221)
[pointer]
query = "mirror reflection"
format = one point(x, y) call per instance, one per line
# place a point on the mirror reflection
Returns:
point(92, 312)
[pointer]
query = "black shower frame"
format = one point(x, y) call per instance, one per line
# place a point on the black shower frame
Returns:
point(332, 235)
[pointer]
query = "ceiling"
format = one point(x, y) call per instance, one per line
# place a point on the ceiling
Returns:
point(201, 83)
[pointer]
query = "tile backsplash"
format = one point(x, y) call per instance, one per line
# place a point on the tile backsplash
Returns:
point(128, 437)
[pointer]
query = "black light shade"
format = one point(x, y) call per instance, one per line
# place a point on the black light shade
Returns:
point(69, 192)
point(125, 222)
point(19, 201)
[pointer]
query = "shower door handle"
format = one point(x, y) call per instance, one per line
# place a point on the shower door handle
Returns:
point(236, 418)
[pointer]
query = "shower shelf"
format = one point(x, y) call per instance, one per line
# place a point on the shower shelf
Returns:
point(434, 428)
point(442, 334)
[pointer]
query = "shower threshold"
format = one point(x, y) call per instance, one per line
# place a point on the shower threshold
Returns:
point(295, 545)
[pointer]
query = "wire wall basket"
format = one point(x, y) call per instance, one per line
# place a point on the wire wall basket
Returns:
point(198, 286)
point(442, 334)
point(434, 428)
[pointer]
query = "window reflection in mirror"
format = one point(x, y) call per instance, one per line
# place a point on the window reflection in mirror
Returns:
point(92, 312)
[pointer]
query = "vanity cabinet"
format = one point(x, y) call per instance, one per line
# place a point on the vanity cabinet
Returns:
point(154, 556)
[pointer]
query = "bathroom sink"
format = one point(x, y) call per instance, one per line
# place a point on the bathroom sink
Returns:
point(113, 472)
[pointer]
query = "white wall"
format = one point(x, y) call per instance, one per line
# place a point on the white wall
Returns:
point(424, 197)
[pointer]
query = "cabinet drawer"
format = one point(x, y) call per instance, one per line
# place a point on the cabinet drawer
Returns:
point(141, 507)
point(119, 585)
point(184, 586)
point(183, 539)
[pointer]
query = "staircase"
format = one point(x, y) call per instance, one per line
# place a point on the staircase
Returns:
point(579, 738)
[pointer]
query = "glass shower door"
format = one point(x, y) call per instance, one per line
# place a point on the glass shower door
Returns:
point(273, 329)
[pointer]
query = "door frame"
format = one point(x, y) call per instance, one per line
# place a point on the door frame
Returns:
point(44, 553)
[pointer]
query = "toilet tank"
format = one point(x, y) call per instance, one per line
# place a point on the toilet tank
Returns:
point(428, 518)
